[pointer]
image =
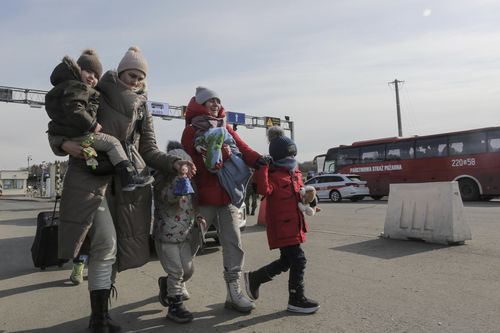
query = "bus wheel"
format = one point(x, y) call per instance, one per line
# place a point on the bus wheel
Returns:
point(335, 196)
point(468, 189)
point(376, 197)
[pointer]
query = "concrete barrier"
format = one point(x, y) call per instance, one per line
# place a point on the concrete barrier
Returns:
point(432, 212)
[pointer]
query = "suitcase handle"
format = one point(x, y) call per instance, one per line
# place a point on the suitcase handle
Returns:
point(54, 211)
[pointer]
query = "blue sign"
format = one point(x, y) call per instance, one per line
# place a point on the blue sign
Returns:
point(235, 117)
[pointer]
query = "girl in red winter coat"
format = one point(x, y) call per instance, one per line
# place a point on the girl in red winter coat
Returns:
point(279, 180)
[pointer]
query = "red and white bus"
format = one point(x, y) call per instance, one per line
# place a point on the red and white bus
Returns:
point(470, 157)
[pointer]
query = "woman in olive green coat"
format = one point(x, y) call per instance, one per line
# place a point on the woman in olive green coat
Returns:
point(116, 222)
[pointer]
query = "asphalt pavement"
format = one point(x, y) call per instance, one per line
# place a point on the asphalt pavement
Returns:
point(363, 283)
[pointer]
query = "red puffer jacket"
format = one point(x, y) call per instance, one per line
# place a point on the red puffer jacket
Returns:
point(285, 222)
point(209, 190)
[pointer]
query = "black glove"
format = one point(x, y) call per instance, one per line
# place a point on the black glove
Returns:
point(265, 160)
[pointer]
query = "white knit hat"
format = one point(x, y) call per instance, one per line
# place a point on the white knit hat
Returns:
point(133, 59)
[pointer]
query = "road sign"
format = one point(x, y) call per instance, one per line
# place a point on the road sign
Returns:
point(272, 121)
point(158, 108)
point(235, 117)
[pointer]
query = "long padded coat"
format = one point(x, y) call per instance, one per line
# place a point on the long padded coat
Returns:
point(119, 110)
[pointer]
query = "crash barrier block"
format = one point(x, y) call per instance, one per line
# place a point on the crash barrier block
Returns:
point(432, 212)
point(261, 218)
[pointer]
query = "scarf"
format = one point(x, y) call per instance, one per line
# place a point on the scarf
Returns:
point(288, 162)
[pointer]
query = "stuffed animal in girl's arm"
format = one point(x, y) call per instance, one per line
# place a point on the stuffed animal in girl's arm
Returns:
point(308, 200)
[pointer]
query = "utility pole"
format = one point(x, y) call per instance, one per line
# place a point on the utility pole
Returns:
point(398, 108)
point(29, 159)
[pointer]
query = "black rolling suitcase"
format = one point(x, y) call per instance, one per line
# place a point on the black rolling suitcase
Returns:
point(44, 248)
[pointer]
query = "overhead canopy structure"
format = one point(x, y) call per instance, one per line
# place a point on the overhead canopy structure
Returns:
point(36, 99)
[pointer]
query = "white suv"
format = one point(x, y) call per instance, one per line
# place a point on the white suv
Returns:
point(337, 186)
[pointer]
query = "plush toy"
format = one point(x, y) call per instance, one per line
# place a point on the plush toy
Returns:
point(308, 200)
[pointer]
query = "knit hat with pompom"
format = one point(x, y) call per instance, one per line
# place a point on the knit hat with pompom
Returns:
point(280, 146)
point(89, 62)
point(133, 59)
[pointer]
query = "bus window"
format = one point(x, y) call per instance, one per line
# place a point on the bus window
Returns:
point(348, 156)
point(433, 147)
point(471, 143)
point(373, 154)
point(494, 141)
point(400, 151)
point(320, 163)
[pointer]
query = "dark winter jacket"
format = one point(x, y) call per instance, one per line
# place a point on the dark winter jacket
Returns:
point(120, 111)
point(210, 190)
point(71, 104)
point(285, 222)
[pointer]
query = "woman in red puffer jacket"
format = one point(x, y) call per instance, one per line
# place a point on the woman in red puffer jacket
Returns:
point(205, 111)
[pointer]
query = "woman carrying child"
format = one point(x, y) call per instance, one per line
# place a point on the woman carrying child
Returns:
point(216, 205)
point(116, 222)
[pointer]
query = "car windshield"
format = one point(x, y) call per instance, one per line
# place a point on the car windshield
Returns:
point(355, 178)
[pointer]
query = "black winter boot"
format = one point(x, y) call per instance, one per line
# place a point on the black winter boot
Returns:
point(253, 280)
point(297, 302)
point(253, 211)
point(100, 321)
point(129, 177)
point(162, 295)
point(177, 311)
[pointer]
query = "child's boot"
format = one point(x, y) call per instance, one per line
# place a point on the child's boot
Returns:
point(177, 311)
point(162, 295)
point(253, 280)
point(297, 302)
point(129, 177)
point(77, 273)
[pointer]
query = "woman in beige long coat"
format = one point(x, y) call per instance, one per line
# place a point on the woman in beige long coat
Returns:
point(116, 222)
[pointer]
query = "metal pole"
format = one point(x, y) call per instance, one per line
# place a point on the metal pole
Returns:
point(292, 132)
point(398, 108)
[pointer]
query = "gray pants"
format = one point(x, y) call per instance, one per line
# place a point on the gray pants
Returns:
point(108, 144)
point(102, 254)
point(226, 221)
point(177, 261)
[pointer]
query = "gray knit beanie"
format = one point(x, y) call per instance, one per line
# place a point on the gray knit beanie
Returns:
point(175, 148)
point(90, 62)
point(133, 59)
point(204, 94)
point(280, 146)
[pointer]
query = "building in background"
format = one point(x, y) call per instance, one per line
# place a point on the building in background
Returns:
point(13, 182)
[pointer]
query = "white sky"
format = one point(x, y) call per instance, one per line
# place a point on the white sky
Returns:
point(326, 64)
